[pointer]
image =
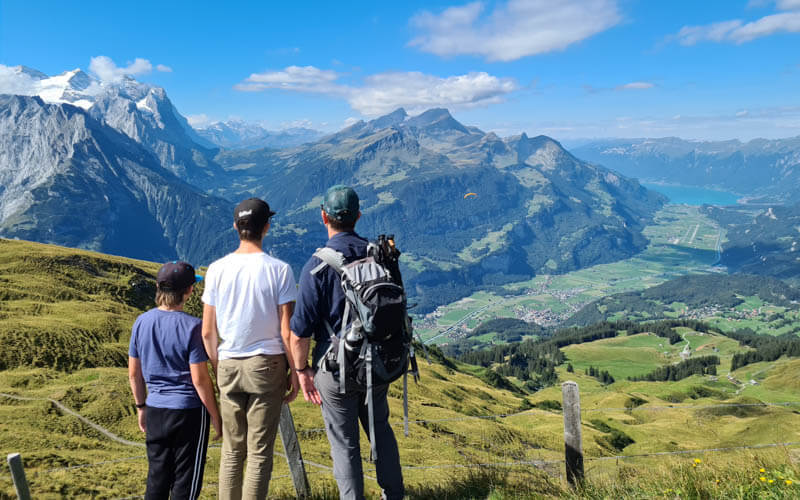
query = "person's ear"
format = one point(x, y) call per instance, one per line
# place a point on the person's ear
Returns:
point(324, 217)
point(266, 228)
point(358, 216)
point(234, 226)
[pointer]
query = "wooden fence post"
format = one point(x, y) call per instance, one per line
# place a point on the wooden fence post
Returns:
point(293, 456)
point(573, 447)
point(18, 476)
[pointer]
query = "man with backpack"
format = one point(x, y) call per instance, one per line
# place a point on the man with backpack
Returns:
point(321, 311)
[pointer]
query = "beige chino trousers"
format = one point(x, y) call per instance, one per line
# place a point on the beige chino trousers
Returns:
point(251, 394)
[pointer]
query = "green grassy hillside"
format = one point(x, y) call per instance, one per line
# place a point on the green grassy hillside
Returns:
point(468, 439)
point(733, 301)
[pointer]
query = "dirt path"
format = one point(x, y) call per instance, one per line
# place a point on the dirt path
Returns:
point(107, 433)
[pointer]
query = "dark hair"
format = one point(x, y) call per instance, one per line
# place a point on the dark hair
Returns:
point(341, 226)
point(249, 233)
point(170, 298)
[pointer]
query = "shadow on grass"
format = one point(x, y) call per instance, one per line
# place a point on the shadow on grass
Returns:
point(489, 483)
point(477, 483)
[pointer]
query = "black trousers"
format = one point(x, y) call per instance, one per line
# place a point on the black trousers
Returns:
point(176, 452)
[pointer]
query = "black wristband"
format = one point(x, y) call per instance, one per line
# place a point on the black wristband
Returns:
point(302, 369)
point(140, 406)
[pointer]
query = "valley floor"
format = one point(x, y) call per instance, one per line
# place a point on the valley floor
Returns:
point(682, 241)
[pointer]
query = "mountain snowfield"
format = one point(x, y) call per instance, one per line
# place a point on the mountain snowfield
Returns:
point(114, 167)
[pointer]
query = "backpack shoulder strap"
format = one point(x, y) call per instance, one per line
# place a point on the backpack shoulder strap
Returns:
point(329, 257)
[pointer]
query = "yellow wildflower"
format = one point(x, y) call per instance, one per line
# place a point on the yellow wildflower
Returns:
point(788, 482)
point(761, 470)
point(762, 478)
point(771, 481)
point(697, 461)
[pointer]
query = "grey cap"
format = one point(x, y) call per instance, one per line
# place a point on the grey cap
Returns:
point(341, 204)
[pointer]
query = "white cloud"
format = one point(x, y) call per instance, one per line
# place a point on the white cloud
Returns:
point(106, 70)
point(301, 123)
point(516, 29)
point(788, 4)
point(13, 81)
point(737, 31)
point(742, 113)
point(416, 91)
point(385, 92)
point(163, 68)
point(636, 86)
point(198, 121)
point(350, 121)
point(294, 78)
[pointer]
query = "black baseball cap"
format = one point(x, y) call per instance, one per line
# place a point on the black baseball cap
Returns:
point(252, 213)
point(341, 203)
point(176, 276)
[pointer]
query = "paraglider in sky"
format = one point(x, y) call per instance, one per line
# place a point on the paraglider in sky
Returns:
point(469, 194)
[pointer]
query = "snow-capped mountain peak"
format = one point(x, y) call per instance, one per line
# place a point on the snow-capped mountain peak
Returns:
point(74, 87)
point(78, 88)
point(35, 74)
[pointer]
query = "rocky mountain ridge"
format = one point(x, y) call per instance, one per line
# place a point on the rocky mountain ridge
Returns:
point(139, 110)
point(128, 158)
point(70, 179)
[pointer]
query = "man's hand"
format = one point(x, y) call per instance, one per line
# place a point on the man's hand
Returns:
point(293, 385)
point(306, 379)
point(142, 419)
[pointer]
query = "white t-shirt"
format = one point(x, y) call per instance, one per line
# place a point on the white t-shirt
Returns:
point(246, 290)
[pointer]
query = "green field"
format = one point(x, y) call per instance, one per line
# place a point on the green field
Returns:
point(628, 356)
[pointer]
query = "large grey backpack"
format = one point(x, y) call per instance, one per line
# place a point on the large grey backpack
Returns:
point(374, 344)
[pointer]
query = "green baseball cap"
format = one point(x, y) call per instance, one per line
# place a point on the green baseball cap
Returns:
point(341, 204)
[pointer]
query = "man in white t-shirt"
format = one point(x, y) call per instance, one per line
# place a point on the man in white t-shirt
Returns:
point(248, 301)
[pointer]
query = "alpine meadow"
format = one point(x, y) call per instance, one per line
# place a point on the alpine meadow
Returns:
point(595, 203)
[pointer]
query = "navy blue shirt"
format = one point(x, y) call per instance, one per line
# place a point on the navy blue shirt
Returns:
point(321, 297)
point(166, 343)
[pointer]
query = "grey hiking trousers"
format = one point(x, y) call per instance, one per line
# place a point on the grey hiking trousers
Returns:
point(342, 413)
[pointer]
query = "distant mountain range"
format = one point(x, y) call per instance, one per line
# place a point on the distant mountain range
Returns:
point(537, 209)
point(238, 134)
point(114, 167)
point(766, 170)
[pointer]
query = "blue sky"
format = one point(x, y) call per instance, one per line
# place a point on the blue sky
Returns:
point(709, 69)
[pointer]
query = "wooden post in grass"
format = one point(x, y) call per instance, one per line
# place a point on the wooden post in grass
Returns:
point(573, 447)
point(18, 476)
point(293, 456)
